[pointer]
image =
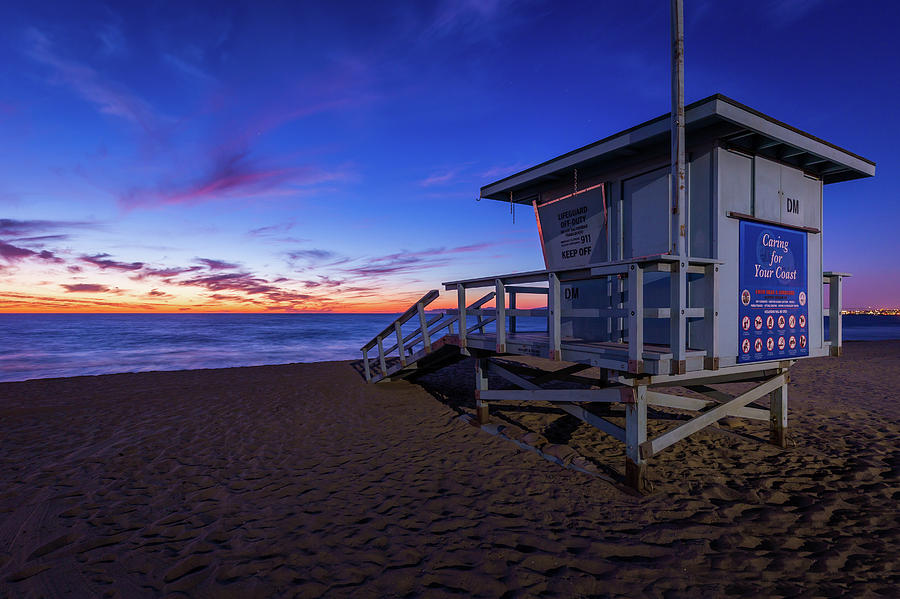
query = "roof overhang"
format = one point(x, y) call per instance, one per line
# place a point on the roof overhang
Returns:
point(734, 125)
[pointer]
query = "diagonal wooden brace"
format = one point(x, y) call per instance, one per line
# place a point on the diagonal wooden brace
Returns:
point(654, 446)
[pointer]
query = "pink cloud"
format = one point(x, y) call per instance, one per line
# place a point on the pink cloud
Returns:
point(12, 253)
point(87, 288)
point(217, 264)
point(103, 262)
point(407, 262)
point(231, 176)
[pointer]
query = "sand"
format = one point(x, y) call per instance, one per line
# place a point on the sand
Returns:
point(301, 480)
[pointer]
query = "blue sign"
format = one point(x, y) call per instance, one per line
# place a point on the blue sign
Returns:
point(773, 311)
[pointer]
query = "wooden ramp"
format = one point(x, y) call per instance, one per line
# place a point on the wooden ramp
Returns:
point(415, 348)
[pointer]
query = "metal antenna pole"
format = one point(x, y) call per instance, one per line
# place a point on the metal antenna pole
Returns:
point(679, 233)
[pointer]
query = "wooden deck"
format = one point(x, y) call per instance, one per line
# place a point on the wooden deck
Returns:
point(656, 359)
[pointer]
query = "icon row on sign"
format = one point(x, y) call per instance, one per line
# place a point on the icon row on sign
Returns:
point(770, 322)
point(791, 342)
point(745, 297)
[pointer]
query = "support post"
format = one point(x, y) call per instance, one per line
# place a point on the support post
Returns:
point(461, 315)
point(677, 321)
point(366, 365)
point(400, 349)
point(778, 416)
point(481, 384)
point(423, 323)
point(512, 319)
point(711, 318)
point(835, 326)
point(500, 311)
point(635, 435)
point(554, 313)
point(679, 234)
point(381, 360)
point(635, 318)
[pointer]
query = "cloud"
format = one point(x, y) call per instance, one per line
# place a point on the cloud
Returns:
point(238, 281)
point(105, 96)
point(441, 178)
point(312, 255)
point(33, 228)
point(103, 262)
point(164, 273)
point(12, 253)
point(271, 229)
point(87, 288)
point(158, 293)
point(406, 262)
point(192, 71)
point(324, 281)
point(467, 16)
point(232, 175)
point(217, 264)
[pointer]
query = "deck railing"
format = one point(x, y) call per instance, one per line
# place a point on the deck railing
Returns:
point(834, 281)
point(625, 309)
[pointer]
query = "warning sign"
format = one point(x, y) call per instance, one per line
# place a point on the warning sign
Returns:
point(570, 228)
point(772, 294)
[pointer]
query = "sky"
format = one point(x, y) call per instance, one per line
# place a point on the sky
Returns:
point(327, 156)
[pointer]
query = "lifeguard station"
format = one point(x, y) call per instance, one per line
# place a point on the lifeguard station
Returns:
point(741, 299)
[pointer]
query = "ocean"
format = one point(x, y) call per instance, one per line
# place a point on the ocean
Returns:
point(60, 345)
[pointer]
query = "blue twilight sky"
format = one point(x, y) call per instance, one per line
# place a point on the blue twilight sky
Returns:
point(327, 155)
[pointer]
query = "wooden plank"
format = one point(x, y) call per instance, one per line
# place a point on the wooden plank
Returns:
point(666, 400)
point(554, 313)
point(513, 378)
point(596, 421)
point(366, 365)
point(520, 289)
point(658, 267)
point(835, 324)
point(736, 373)
point(751, 413)
point(480, 324)
point(693, 404)
point(619, 284)
point(595, 313)
point(482, 411)
point(381, 356)
point(711, 317)
point(512, 310)
point(410, 312)
point(500, 311)
point(635, 436)
point(778, 414)
point(423, 327)
point(652, 447)
point(677, 320)
point(742, 216)
point(400, 349)
point(666, 313)
point(635, 318)
point(461, 316)
point(615, 269)
point(560, 374)
point(608, 395)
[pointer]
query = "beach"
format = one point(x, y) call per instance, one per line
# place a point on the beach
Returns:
point(302, 480)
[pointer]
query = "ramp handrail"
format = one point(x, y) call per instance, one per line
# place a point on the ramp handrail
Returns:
point(426, 331)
